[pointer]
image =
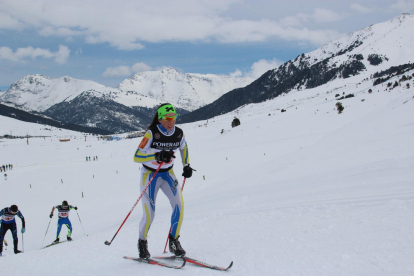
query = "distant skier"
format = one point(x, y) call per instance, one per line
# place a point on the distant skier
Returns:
point(63, 215)
point(159, 144)
point(5, 176)
point(8, 222)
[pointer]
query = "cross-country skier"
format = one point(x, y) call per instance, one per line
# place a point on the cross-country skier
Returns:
point(159, 144)
point(63, 210)
point(9, 223)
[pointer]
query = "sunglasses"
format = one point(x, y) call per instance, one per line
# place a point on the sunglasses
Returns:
point(169, 118)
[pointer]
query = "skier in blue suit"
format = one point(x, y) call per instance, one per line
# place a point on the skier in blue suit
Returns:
point(63, 210)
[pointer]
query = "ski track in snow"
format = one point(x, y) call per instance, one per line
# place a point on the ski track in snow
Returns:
point(305, 192)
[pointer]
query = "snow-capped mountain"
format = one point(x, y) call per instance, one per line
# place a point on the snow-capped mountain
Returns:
point(146, 89)
point(362, 54)
point(185, 90)
point(38, 92)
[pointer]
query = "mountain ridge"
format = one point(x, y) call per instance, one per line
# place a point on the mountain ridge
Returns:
point(365, 51)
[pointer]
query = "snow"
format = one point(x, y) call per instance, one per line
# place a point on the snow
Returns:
point(303, 192)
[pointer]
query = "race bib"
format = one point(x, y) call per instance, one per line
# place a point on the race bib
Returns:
point(64, 214)
point(8, 218)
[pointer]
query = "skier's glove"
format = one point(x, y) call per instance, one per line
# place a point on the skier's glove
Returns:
point(51, 215)
point(164, 156)
point(76, 208)
point(187, 171)
point(23, 230)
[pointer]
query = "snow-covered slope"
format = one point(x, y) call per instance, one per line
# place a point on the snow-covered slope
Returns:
point(188, 91)
point(302, 192)
point(13, 127)
point(390, 41)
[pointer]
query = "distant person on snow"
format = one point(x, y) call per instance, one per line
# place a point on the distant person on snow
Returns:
point(9, 223)
point(159, 144)
point(63, 210)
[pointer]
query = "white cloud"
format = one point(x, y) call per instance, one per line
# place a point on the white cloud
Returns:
point(318, 15)
point(262, 66)
point(236, 74)
point(361, 9)
point(127, 25)
point(404, 6)
point(257, 69)
point(22, 54)
point(125, 71)
point(325, 15)
point(9, 22)
point(246, 31)
point(140, 67)
point(49, 30)
point(62, 55)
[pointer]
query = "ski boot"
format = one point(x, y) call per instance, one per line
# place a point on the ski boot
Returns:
point(16, 251)
point(175, 247)
point(1, 254)
point(143, 249)
point(56, 241)
point(69, 239)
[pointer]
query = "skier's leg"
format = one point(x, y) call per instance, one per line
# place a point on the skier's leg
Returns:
point(59, 228)
point(172, 189)
point(13, 229)
point(3, 231)
point(148, 201)
point(69, 226)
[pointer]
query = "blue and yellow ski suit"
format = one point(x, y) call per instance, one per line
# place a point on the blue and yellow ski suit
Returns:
point(155, 140)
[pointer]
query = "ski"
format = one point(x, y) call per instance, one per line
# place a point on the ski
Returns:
point(154, 262)
point(53, 243)
point(196, 262)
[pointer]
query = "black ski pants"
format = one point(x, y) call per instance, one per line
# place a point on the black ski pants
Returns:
point(3, 229)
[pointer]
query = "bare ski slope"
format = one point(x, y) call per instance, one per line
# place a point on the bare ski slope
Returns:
point(305, 192)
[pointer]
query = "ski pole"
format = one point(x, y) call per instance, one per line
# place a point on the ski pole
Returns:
point(133, 207)
point(22, 242)
point(168, 237)
point(81, 223)
point(46, 232)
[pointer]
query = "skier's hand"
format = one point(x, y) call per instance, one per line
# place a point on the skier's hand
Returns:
point(164, 156)
point(23, 230)
point(187, 171)
point(51, 215)
point(76, 208)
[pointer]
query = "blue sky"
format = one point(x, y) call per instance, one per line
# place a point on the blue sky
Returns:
point(107, 41)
